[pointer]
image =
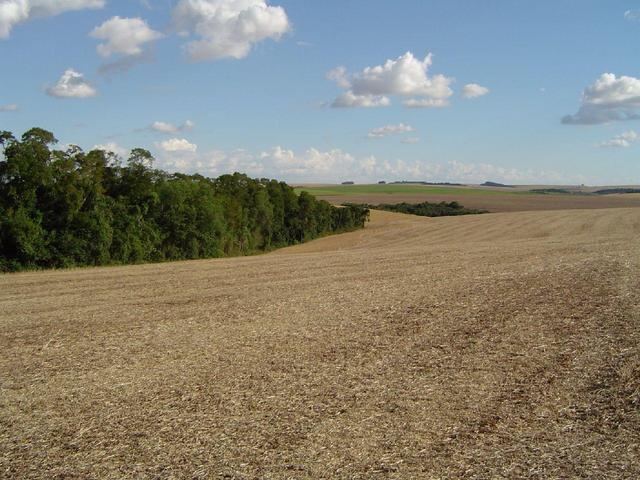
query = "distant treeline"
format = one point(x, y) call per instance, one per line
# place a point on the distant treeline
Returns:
point(609, 191)
point(606, 191)
point(551, 191)
point(424, 209)
point(496, 184)
point(63, 208)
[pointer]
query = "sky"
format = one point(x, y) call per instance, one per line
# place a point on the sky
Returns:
point(544, 92)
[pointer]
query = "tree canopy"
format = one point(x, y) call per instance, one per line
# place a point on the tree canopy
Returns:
point(63, 208)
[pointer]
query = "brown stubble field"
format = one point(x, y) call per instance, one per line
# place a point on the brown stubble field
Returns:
point(492, 346)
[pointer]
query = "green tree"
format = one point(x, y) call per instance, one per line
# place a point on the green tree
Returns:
point(60, 208)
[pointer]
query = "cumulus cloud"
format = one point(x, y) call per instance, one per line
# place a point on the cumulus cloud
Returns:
point(405, 76)
point(227, 28)
point(609, 99)
point(10, 107)
point(310, 162)
point(410, 140)
point(123, 36)
point(213, 163)
point(177, 145)
point(277, 162)
point(387, 130)
point(169, 128)
point(632, 15)
point(373, 168)
point(480, 172)
point(350, 100)
point(340, 76)
point(315, 165)
point(14, 12)
point(72, 85)
point(113, 148)
point(624, 140)
point(473, 90)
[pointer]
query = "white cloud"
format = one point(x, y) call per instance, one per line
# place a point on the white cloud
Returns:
point(13, 12)
point(214, 163)
point(227, 28)
point(177, 145)
point(10, 107)
point(339, 75)
point(632, 15)
point(480, 172)
point(381, 132)
point(238, 160)
point(42, 8)
point(623, 140)
point(372, 168)
point(113, 148)
point(72, 85)
point(277, 163)
point(124, 36)
point(349, 100)
point(426, 103)
point(169, 128)
point(312, 161)
point(405, 76)
point(609, 99)
point(473, 90)
point(314, 165)
point(410, 140)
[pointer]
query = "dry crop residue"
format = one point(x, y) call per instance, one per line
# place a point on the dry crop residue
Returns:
point(491, 346)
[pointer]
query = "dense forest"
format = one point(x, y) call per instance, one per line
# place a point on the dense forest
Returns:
point(63, 208)
point(424, 209)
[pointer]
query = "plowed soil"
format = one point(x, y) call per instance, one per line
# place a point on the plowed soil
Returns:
point(492, 346)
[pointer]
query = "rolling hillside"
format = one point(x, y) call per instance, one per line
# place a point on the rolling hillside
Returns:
point(516, 199)
point(491, 346)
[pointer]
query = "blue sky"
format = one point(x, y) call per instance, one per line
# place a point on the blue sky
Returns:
point(245, 85)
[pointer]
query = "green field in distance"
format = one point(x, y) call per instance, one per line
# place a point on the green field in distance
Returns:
point(391, 189)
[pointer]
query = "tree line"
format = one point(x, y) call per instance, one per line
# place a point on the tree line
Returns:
point(424, 209)
point(64, 208)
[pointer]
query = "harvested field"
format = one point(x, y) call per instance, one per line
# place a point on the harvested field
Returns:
point(516, 199)
point(491, 346)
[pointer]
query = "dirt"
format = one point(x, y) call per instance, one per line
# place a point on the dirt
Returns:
point(490, 346)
